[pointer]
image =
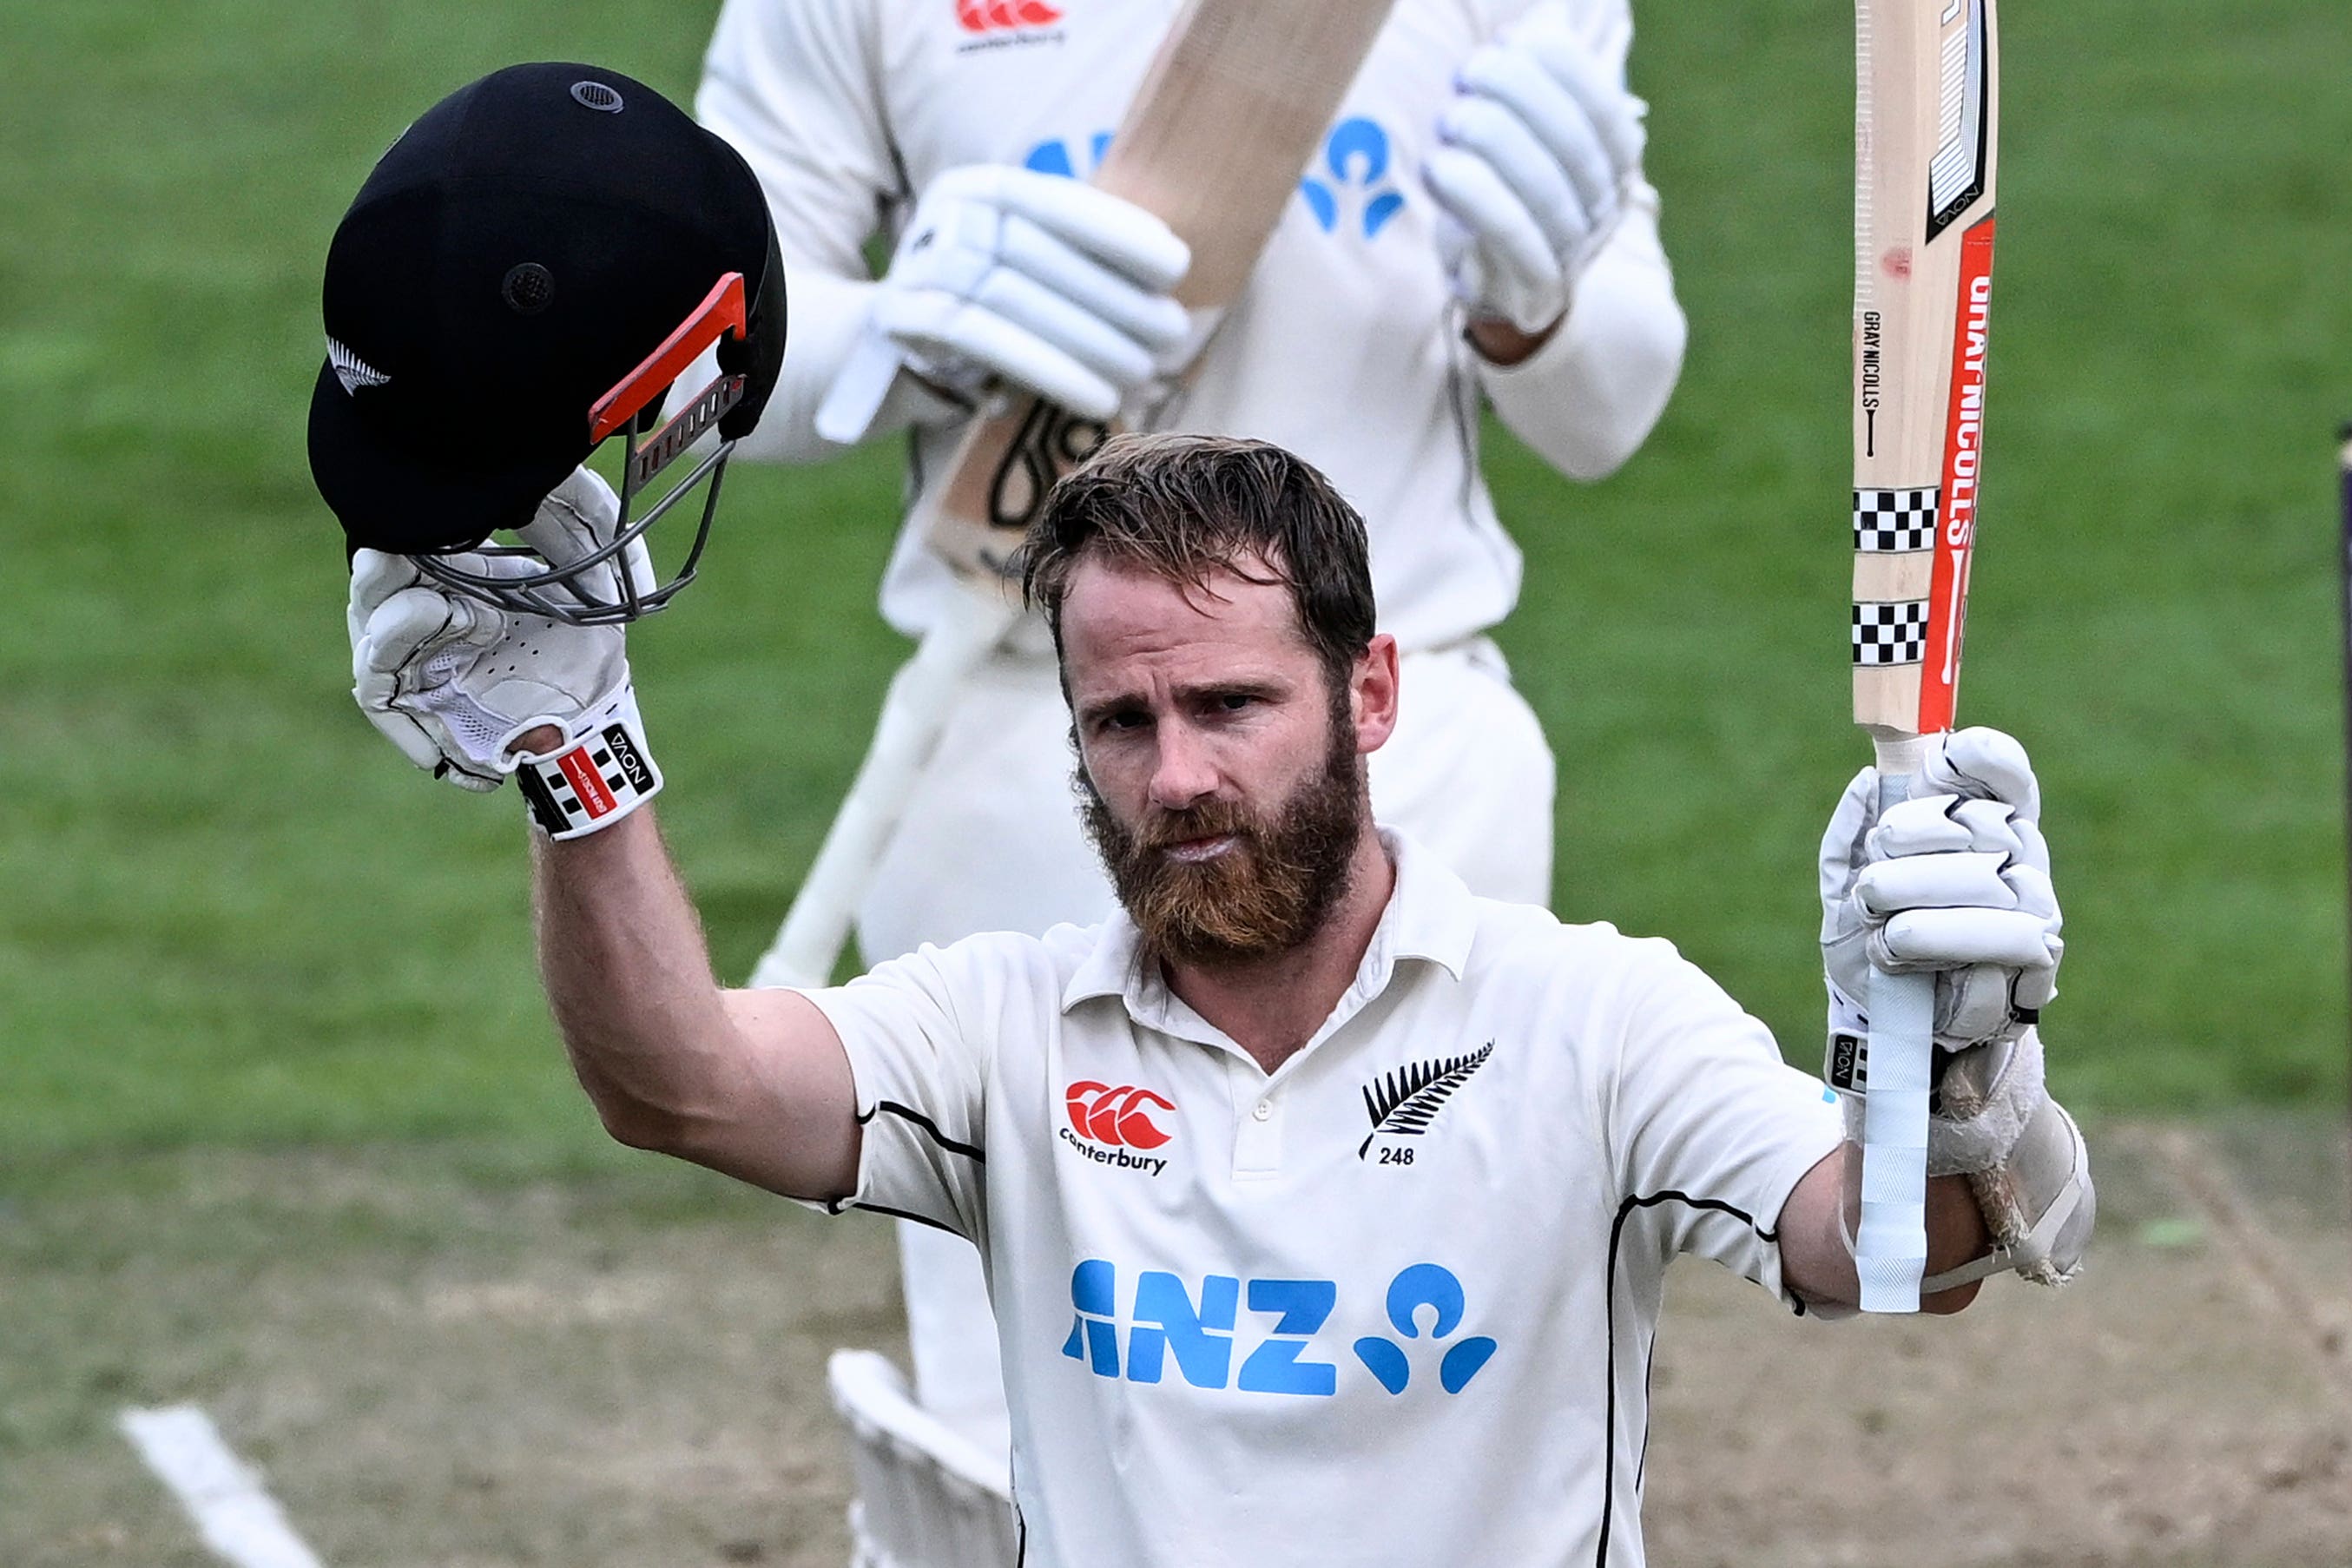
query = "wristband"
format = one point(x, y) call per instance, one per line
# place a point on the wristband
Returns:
point(603, 773)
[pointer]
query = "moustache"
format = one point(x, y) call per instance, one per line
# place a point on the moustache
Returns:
point(1210, 819)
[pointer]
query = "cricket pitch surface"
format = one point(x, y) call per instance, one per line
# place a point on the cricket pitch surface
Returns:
point(432, 1358)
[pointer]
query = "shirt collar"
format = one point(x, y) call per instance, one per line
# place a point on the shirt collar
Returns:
point(1430, 915)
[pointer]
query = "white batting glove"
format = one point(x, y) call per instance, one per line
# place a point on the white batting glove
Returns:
point(1031, 279)
point(1955, 879)
point(456, 682)
point(1534, 154)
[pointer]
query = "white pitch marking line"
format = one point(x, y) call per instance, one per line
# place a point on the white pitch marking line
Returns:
point(240, 1520)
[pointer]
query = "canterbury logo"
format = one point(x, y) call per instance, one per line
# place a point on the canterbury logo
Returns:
point(1117, 1115)
point(353, 372)
point(1004, 15)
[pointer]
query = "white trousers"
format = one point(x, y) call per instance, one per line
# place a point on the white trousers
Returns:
point(991, 841)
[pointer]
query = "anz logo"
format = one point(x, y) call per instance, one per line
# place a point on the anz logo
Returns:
point(1200, 1331)
point(1347, 189)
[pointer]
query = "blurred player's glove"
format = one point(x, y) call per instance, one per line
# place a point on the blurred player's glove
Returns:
point(1533, 156)
point(1955, 879)
point(456, 682)
point(1033, 278)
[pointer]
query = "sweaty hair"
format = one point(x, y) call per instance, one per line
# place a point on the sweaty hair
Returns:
point(1181, 507)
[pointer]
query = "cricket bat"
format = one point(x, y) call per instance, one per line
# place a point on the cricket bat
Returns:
point(1925, 146)
point(1228, 114)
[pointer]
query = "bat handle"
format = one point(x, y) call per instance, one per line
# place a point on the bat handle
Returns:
point(914, 716)
point(859, 389)
point(1890, 1246)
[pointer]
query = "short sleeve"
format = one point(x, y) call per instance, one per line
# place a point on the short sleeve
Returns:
point(1709, 1129)
point(921, 1074)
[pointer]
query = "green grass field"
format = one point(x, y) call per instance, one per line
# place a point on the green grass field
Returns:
point(229, 913)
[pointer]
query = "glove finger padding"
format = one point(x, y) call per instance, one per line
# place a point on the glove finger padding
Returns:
point(1955, 881)
point(375, 577)
point(1056, 287)
point(578, 519)
point(1954, 938)
point(1146, 314)
point(941, 331)
point(1935, 824)
point(1117, 232)
point(452, 680)
point(1503, 265)
point(395, 616)
point(1963, 879)
point(1531, 86)
point(1593, 77)
point(1530, 171)
point(1534, 154)
point(1985, 765)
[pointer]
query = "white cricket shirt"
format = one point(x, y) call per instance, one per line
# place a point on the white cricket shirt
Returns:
point(1392, 1304)
point(1346, 347)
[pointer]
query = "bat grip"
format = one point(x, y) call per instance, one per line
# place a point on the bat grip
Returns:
point(859, 389)
point(914, 716)
point(1890, 1245)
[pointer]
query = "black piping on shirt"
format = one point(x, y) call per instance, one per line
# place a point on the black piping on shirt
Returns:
point(898, 1213)
point(1608, 1430)
point(970, 1150)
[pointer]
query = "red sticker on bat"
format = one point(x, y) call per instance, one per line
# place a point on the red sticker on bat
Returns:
point(1948, 601)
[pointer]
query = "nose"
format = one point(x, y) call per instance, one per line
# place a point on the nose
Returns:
point(1183, 773)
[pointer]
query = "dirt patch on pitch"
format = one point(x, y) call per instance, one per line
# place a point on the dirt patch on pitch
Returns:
point(436, 1358)
point(2180, 1405)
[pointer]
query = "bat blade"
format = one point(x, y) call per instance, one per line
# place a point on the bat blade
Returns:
point(1927, 128)
point(1228, 116)
point(1926, 140)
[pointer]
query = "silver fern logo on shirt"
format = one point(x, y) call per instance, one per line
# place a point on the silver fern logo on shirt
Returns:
point(1404, 1101)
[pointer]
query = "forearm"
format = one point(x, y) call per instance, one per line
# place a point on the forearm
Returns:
point(1817, 1260)
point(1957, 1232)
point(1587, 396)
point(628, 977)
point(752, 1083)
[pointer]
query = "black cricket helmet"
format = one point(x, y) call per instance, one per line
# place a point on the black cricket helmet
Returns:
point(528, 268)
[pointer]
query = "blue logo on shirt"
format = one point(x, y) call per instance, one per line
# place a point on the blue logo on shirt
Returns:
point(1350, 184)
point(1200, 1331)
point(1356, 154)
point(1053, 157)
point(1425, 1285)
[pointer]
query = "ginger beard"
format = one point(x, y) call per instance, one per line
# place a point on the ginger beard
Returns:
point(1268, 893)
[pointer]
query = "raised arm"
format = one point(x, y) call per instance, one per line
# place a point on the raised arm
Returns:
point(755, 1084)
point(1725, 1150)
point(752, 1083)
point(1953, 882)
